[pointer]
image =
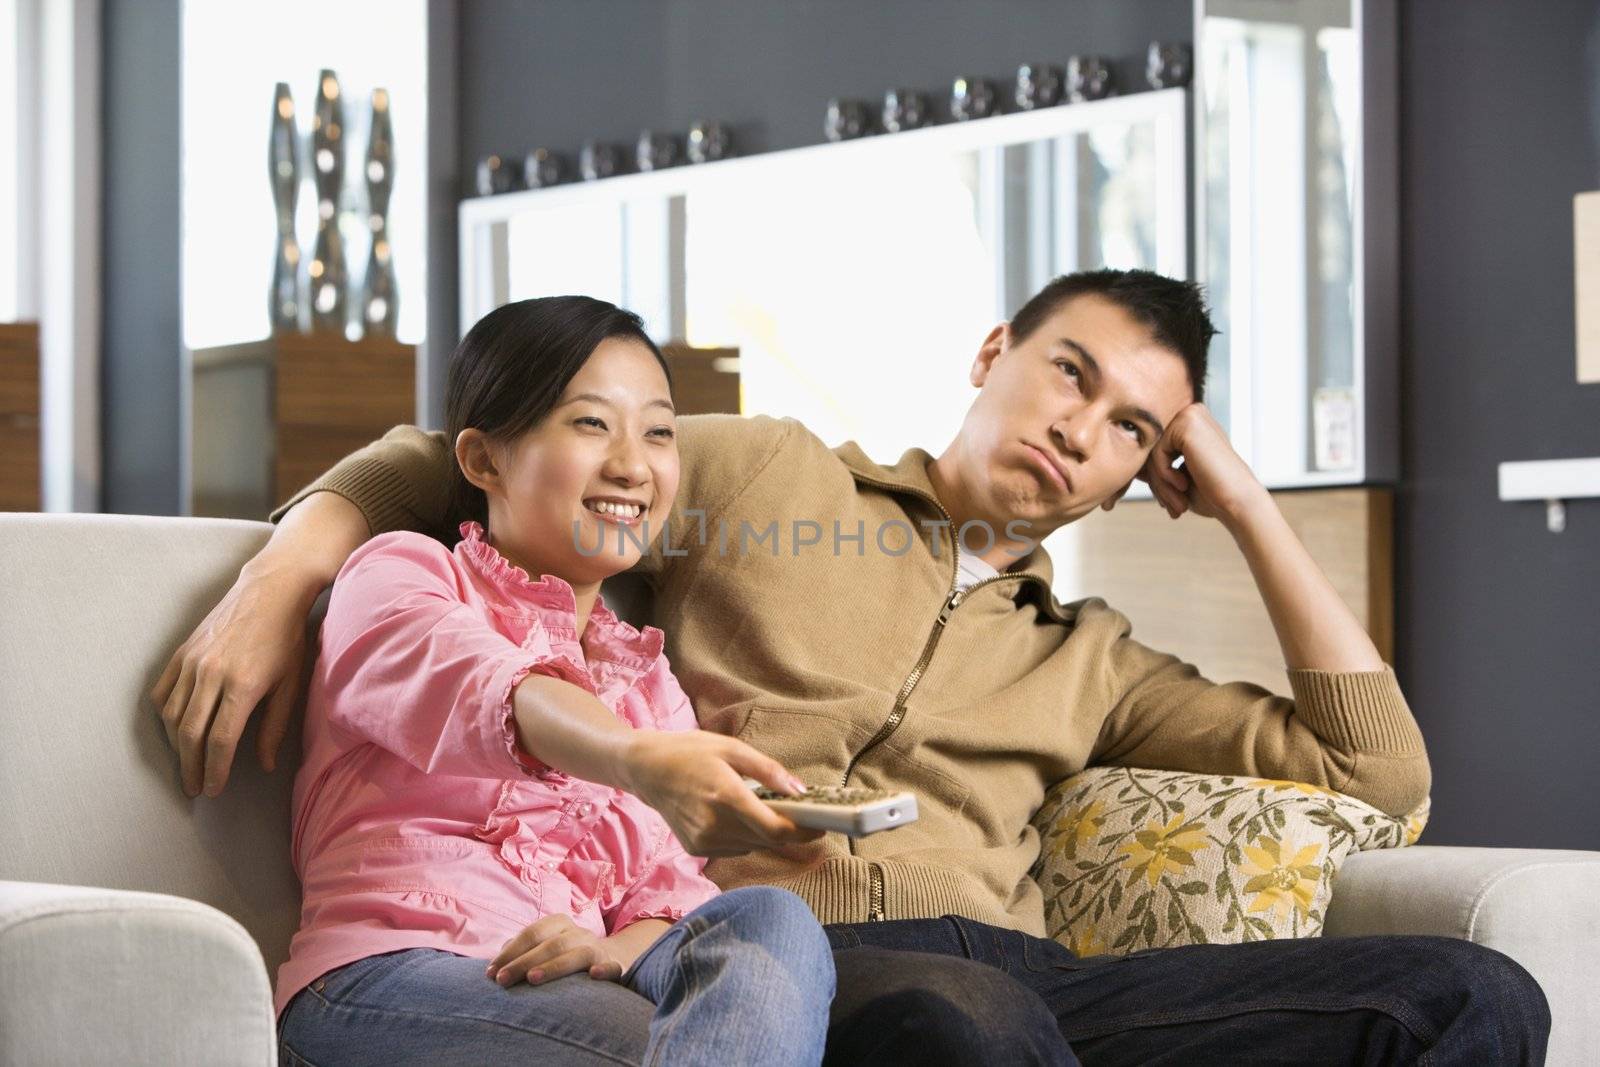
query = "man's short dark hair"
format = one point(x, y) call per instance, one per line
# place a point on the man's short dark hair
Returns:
point(1174, 311)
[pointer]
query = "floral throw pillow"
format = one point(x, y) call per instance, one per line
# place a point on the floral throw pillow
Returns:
point(1133, 859)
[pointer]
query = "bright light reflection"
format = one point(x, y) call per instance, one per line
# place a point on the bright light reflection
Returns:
point(872, 296)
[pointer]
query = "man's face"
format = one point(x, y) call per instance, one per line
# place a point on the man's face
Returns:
point(1067, 415)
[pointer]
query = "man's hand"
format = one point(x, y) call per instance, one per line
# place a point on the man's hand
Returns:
point(695, 779)
point(552, 948)
point(1214, 481)
point(249, 649)
point(253, 644)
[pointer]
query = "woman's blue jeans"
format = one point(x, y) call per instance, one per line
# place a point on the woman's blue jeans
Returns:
point(744, 979)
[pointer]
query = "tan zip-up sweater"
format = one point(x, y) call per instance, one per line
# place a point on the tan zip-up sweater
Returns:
point(862, 665)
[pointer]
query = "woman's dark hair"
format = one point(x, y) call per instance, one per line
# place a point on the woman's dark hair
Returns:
point(513, 365)
point(1174, 311)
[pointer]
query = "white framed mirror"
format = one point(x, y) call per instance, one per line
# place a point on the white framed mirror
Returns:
point(838, 270)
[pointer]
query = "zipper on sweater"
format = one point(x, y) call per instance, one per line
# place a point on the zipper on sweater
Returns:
point(897, 714)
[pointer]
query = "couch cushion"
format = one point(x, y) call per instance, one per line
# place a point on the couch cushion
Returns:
point(89, 789)
point(1134, 859)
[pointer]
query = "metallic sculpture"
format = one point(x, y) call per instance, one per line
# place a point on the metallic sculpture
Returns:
point(906, 109)
point(1038, 85)
point(709, 142)
point(847, 119)
point(973, 98)
point(283, 169)
point(497, 175)
point(1088, 78)
point(599, 160)
point(542, 168)
point(328, 275)
point(1168, 66)
point(657, 151)
point(380, 304)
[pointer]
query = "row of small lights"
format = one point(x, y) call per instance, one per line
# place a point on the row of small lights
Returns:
point(1037, 85)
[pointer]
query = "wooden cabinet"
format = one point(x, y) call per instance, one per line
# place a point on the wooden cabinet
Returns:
point(705, 381)
point(332, 396)
point(269, 416)
point(20, 479)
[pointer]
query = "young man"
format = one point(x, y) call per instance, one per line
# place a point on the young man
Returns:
point(893, 627)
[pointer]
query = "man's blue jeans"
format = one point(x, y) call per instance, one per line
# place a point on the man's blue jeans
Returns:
point(1003, 996)
point(744, 979)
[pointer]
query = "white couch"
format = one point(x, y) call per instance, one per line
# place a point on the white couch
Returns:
point(138, 926)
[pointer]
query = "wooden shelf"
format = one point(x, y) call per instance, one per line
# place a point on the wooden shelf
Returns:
point(20, 480)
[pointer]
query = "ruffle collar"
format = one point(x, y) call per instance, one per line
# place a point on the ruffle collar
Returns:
point(553, 601)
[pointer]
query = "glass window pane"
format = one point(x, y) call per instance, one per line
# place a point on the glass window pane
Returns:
point(574, 250)
point(858, 305)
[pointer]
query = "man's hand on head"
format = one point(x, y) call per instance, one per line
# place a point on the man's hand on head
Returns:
point(1214, 481)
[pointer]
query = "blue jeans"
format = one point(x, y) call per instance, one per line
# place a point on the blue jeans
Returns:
point(745, 978)
point(1003, 996)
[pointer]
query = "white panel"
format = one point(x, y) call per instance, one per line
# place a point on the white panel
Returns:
point(1586, 254)
point(1550, 479)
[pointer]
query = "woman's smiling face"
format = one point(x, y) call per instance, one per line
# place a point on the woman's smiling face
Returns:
point(579, 493)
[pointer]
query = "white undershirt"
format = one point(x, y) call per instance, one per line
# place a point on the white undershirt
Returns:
point(971, 570)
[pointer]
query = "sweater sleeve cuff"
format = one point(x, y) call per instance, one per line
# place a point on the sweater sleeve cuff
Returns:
point(372, 485)
point(1358, 711)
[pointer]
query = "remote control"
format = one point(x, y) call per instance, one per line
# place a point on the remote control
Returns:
point(846, 810)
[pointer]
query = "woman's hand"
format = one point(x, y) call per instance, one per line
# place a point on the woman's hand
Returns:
point(695, 779)
point(555, 947)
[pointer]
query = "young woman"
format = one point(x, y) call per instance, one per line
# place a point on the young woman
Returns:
point(495, 764)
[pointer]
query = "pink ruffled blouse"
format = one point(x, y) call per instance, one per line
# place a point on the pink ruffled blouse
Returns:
point(418, 819)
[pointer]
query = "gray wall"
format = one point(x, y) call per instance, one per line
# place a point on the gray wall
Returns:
point(139, 373)
point(1499, 620)
point(557, 72)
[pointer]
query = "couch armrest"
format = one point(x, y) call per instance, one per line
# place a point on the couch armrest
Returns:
point(110, 976)
point(1541, 907)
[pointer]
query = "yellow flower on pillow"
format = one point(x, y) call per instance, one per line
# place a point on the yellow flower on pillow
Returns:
point(1281, 885)
point(1159, 848)
point(1282, 783)
point(1078, 827)
point(1086, 942)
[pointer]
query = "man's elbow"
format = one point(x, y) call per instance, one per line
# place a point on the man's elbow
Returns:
point(1395, 785)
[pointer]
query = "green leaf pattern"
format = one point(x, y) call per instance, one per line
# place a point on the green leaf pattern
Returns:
point(1133, 859)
